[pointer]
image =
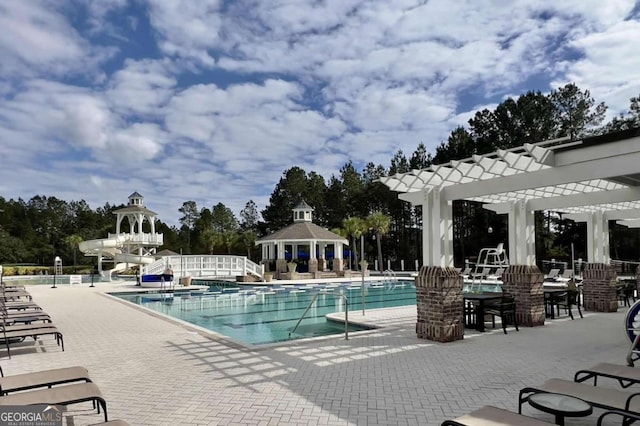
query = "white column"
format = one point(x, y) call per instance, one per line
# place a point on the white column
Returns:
point(522, 233)
point(598, 238)
point(312, 249)
point(437, 230)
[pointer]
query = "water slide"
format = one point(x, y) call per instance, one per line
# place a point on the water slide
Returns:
point(112, 248)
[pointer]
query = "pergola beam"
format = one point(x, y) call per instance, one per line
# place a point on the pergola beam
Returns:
point(592, 169)
point(573, 200)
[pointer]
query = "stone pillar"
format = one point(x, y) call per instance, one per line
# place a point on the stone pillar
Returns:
point(599, 287)
point(281, 267)
point(440, 304)
point(524, 283)
point(313, 265)
point(337, 264)
point(265, 263)
point(322, 264)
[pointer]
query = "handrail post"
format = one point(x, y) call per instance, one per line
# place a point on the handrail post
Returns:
point(346, 315)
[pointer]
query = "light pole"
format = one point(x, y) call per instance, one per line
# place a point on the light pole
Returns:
point(363, 268)
point(57, 263)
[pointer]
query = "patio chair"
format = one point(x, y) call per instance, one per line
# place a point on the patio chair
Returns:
point(570, 299)
point(505, 309)
point(61, 395)
point(625, 292)
point(600, 397)
point(625, 375)
point(44, 378)
point(488, 416)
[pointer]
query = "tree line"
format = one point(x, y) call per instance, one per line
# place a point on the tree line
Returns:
point(351, 202)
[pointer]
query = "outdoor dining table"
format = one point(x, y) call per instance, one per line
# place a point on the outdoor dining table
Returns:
point(481, 298)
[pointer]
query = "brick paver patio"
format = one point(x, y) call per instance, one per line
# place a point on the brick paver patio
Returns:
point(158, 372)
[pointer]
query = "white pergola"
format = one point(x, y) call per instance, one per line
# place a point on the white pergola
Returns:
point(593, 180)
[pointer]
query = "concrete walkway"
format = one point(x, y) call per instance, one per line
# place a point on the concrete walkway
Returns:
point(158, 372)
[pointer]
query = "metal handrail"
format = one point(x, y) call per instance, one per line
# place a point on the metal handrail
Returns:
point(346, 314)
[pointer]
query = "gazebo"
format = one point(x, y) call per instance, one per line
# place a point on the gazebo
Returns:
point(593, 180)
point(303, 240)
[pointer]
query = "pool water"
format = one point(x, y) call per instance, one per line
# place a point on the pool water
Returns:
point(265, 315)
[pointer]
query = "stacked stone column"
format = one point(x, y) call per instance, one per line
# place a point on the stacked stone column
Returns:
point(440, 304)
point(599, 287)
point(524, 283)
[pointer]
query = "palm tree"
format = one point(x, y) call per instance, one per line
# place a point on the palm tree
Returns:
point(209, 238)
point(74, 241)
point(354, 227)
point(379, 223)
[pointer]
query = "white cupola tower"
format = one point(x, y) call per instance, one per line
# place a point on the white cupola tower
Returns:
point(136, 199)
point(302, 213)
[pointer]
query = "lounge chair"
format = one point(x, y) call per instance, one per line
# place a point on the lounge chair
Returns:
point(23, 317)
point(625, 375)
point(626, 416)
point(62, 395)
point(44, 378)
point(493, 416)
point(12, 334)
point(20, 306)
point(605, 398)
point(553, 274)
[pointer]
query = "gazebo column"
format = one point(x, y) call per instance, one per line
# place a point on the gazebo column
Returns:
point(281, 261)
point(523, 280)
point(440, 303)
point(267, 249)
point(322, 262)
point(337, 258)
point(313, 261)
point(599, 278)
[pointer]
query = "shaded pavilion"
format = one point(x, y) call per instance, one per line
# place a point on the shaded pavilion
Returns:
point(303, 238)
point(593, 180)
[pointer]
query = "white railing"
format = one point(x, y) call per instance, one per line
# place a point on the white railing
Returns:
point(206, 266)
point(145, 238)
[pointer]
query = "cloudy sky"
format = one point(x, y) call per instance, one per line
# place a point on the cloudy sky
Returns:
point(212, 100)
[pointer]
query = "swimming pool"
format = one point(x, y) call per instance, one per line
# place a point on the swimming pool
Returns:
point(262, 315)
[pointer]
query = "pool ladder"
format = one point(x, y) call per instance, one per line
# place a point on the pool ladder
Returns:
point(346, 314)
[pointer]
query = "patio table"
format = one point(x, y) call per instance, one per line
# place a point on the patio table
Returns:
point(481, 298)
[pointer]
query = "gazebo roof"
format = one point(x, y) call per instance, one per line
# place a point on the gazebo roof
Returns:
point(135, 209)
point(302, 231)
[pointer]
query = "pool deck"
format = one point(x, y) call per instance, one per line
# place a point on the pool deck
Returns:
point(158, 372)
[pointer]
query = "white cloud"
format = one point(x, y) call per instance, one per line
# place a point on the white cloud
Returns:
point(237, 92)
point(610, 65)
point(37, 39)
